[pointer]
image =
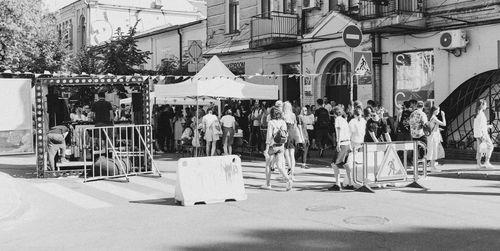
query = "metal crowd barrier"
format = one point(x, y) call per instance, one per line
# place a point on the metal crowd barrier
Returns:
point(118, 151)
point(386, 162)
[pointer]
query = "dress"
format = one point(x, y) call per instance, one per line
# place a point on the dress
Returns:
point(433, 140)
point(291, 126)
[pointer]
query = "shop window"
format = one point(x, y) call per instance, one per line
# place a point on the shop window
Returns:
point(414, 76)
point(234, 16)
point(339, 73)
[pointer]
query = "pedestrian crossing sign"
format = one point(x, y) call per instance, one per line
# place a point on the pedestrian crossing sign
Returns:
point(391, 167)
point(362, 66)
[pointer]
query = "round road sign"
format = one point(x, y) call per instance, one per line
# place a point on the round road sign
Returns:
point(352, 36)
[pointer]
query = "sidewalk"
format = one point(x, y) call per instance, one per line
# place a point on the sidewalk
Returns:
point(460, 169)
point(12, 167)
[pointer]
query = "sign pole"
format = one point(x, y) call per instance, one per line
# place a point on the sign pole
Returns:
point(351, 91)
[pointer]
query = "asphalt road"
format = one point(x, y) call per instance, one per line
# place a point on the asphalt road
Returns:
point(67, 214)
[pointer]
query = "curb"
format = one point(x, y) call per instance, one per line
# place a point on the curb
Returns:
point(466, 175)
point(11, 203)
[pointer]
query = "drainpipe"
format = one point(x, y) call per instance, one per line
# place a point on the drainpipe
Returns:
point(377, 87)
point(180, 47)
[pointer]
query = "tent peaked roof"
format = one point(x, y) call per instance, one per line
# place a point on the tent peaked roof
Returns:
point(214, 68)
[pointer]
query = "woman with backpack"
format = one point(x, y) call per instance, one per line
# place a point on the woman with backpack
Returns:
point(276, 137)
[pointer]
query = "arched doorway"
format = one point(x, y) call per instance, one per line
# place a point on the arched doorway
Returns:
point(460, 108)
point(337, 81)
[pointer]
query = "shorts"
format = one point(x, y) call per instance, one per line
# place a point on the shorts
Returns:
point(340, 158)
point(321, 137)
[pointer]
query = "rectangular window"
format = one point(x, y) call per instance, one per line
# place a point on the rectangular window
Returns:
point(265, 8)
point(332, 5)
point(234, 16)
point(290, 6)
point(414, 76)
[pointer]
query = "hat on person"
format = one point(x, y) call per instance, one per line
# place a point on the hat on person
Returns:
point(279, 103)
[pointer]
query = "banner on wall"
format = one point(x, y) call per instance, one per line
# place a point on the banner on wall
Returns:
point(414, 73)
point(16, 125)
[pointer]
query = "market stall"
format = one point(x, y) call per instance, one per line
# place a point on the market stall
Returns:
point(88, 142)
point(216, 81)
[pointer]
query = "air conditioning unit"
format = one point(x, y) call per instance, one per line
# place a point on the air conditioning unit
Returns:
point(453, 39)
point(157, 4)
point(310, 4)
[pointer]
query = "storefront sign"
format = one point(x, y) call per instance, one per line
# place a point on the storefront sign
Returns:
point(414, 76)
point(237, 68)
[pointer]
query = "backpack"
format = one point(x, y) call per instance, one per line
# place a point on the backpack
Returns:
point(323, 118)
point(281, 136)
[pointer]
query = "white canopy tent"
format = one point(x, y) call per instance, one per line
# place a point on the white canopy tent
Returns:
point(174, 101)
point(215, 80)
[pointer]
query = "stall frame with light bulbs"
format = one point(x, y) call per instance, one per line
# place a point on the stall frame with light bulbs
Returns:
point(41, 112)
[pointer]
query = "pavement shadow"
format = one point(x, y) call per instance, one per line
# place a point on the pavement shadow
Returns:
point(313, 239)
point(19, 166)
point(160, 202)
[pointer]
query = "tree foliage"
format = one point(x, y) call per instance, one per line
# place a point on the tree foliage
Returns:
point(29, 39)
point(121, 55)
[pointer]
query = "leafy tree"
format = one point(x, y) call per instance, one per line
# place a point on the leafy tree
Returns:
point(29, 40)
point(86, 60)
point(171, 66)
point(121, 55)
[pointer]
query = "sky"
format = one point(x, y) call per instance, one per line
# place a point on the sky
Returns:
point(54, 5)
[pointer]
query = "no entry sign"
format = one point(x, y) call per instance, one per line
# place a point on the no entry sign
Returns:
point(352, 36)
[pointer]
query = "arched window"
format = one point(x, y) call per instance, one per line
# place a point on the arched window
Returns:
point(339, 72)
point(83, 31)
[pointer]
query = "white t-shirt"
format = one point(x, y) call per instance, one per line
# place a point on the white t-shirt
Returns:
point(208, 120)
point(480, 125)
point(309, 121)
point(227, 121)
point(345, 133)
point(358, 130)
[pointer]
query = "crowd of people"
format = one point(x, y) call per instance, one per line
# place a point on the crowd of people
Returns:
point(325, 125)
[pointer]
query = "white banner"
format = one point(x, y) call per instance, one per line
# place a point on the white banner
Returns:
point(15, 109)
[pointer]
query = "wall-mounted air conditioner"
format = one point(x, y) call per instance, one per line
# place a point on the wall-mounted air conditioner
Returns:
point(453, 39)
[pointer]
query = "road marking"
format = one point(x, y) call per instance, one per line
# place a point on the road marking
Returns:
point(76, 198)
point(148, 182)
point(119, 191)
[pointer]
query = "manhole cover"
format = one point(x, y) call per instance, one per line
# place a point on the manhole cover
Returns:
point(324, 208)
point(366, 220)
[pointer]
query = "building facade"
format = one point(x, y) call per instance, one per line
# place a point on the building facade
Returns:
point(92, 22)
point(422, 49)
point(171, 41)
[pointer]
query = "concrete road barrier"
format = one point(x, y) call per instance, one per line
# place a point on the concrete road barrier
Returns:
point(209, 180)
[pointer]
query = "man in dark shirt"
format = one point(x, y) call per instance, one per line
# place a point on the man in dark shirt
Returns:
point(103, 111)
point(322, 119)
point(377, 129)
point(55, 142)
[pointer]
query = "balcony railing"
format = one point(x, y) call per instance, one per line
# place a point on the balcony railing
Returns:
point(273, 28)
point(371, 9)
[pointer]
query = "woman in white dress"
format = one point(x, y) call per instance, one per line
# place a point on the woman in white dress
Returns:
point(434, 139)
point(482, 135)
point(212, 130)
